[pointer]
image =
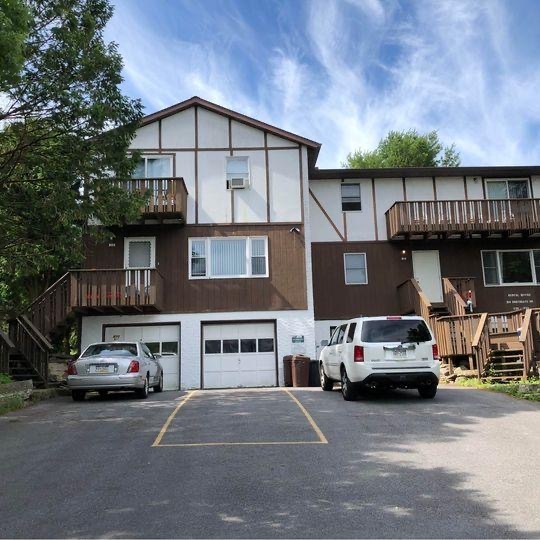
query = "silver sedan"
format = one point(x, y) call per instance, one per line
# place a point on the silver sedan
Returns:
point(115, 366)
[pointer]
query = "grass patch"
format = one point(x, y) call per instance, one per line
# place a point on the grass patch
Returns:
point(5, 378)
point(509, 388)
point(12, 404)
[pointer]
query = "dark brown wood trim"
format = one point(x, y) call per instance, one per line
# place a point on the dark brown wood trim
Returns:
point(196, 165)
point(267, 177)
point(345, 225)
point(531, 193)
point(230, 154)
point(302, 184)
point(327, 216)
point(434, 188)
point(466, 188)
point(201, 330)
point(217, 149)
point(484, 187)
point(374, 197)
point(250, 224)
point(159, 135)
point(404, 189)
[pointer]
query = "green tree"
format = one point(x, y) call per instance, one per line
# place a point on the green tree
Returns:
point(14, 21)
point(405, 149)
point(65, 128)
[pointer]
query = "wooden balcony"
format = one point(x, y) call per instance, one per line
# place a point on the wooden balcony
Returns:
point(464, 218)
point(105, 291)
point(167, 197)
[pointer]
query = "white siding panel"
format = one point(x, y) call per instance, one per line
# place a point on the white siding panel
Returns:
point(250, 204)
point(450, 188)
point(328, 193)
point(361, 225)
point(185, 168)
point(284, 168)
point(536, 186)
point(213, 130)
point(419, 189)
point(214, 198)
point(246, 136)
point(272, 140)
point(387, 192)
point(474, 187)
point(178, 130)
point(147, 137)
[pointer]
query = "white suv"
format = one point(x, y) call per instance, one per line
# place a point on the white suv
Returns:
point(388, 352)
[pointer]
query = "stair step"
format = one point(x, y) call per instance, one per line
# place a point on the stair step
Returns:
point(509, 370)
point(506, 364)
point(506, 378)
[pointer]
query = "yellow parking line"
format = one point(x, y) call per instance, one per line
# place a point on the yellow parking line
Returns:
point(316, 428)
point(320, 435)
point(171, 416)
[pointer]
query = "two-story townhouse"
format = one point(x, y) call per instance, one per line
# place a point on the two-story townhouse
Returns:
point(246, 252)
point(234, 273)
point(379, 235)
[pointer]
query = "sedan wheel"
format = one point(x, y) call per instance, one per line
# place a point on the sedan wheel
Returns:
point(143, 392)
point(159, 386)
point(347, 390)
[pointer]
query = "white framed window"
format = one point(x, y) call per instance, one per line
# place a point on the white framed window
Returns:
point(355, 268)
point(351, 200)
point(511, 267)
point(153, 166)
point(237, 172)
point(507, 188)
point(140, 253)
point(230, 257)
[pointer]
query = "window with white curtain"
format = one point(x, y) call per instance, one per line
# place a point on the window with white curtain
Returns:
point(153, 167)
point(232, 257)
point(355, 268)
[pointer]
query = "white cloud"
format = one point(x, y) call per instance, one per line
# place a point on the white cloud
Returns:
point(353, 71)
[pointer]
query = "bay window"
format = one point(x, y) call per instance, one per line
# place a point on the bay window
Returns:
point(511, 267)
point(232, 257)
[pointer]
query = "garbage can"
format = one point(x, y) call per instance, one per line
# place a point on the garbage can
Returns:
point(287, 370)
point(314, 376)
point(300, 370)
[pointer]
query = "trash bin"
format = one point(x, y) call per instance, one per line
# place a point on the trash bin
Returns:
point(287, 370)
point(314, 376)
point(300, 370)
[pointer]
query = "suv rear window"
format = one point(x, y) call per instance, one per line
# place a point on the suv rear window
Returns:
point(401, 330)
point(111, 349)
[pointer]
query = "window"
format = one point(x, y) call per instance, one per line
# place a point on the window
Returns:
point(139, 253)
point(153, 167)
point(391, 331)
point(212, 346)
point(248, 345)
point(340, 333)
point(507, 189)
point(169, 348)
point(232, 257)
point(355, 269)
point(237, 172)
point(153, 347)
point(350, 333)
point(350, 198)
point(230, 346)
point(511, 267)
point(266, 345)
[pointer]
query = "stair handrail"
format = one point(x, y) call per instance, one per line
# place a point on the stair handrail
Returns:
point(46, 291)
point(419, 301)
point(527, 340)
point(6, 346)
point(453, 300)
point(4, 337)
point(43, 343)
point(480, 344)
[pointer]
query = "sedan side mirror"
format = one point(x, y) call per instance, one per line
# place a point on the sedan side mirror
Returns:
point(157, 356)
point(324, 343)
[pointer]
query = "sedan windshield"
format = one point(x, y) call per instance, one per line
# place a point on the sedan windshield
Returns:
point(402, 331)
point(111, 349)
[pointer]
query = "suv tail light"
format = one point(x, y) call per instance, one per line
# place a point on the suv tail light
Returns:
point(358, 353)
point(72, 369)
point(393, 318)
point(133, 367)
point(435, 349)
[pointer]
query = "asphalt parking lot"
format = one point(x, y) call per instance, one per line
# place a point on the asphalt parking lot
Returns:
point(272, 463)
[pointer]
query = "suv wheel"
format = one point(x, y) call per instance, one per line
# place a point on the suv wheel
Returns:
point(326, 384)
point(427, 391)
point(347, 389)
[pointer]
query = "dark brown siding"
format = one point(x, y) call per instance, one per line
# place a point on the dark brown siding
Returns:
point(386, 270)
point(285, 288)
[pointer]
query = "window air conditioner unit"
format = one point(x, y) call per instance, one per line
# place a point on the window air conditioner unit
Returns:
point(238, 182)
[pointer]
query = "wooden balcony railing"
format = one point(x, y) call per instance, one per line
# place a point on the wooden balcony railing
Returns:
point(6, 346)
point(463, 217)
point(97, 291)
point(452, 299)
point(167, 197)
point(412, 299)
point(465, 288)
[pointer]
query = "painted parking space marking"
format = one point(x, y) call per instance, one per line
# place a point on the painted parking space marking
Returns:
point(321, 439)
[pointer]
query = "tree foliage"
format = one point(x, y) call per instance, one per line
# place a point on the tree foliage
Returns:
point(65, 128)
point(406, 149)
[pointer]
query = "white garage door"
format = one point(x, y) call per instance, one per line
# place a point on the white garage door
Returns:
point(239, 355)
point(161, 340)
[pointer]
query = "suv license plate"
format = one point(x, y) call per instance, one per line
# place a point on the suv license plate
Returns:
point(400, 354)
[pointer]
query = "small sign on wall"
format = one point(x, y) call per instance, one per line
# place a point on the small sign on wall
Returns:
point(518, 300)
point(298, 345)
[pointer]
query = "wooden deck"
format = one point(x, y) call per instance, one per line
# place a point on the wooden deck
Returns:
point(463, 217)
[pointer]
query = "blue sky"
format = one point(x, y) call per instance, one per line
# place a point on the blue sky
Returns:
point(346, 72)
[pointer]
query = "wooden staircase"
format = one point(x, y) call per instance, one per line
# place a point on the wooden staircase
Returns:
point(25, 351)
